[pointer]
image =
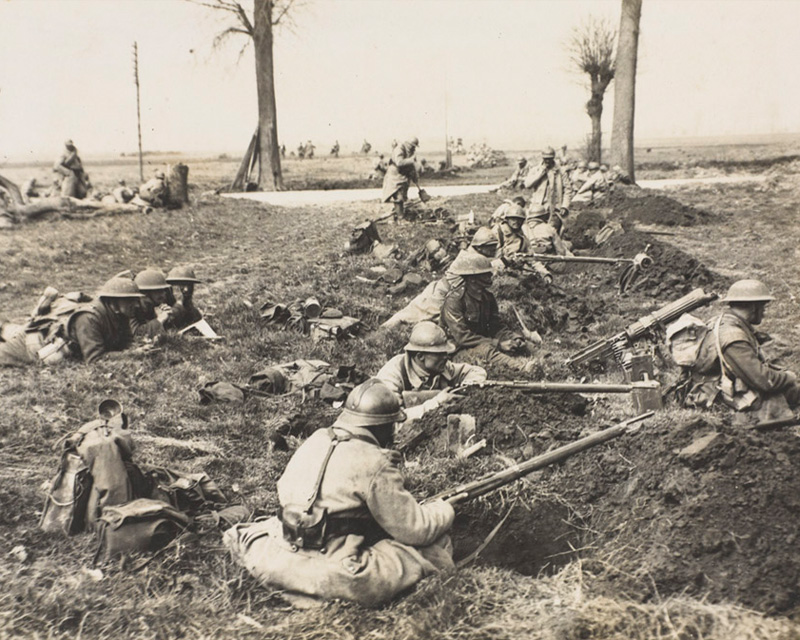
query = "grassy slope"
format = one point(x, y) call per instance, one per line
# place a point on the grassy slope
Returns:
point(252, 253)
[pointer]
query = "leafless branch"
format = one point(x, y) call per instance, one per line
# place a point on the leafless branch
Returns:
point(592, 50)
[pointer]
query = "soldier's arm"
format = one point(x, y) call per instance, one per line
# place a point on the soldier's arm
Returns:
point(400, 515)
point(89, 336)
point(391, 376)
point(534, 179)
point(745, 364)
point(456, 324)
point(464, 373)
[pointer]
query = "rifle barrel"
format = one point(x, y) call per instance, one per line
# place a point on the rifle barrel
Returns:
point(539, 257)
point(569, 387)
point(489, 483)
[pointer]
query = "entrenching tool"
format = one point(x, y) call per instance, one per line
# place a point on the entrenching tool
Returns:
point(634, 266)
point(530, 336)
point(494, 481)
point(780, 423)
point(643, 326)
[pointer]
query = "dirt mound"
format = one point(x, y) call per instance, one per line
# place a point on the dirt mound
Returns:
point(673, 271)
point(700, 508)
point(632, 204)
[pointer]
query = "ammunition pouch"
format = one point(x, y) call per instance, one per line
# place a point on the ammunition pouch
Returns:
point(304, 529)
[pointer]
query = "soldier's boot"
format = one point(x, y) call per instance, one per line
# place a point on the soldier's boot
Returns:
point(399, 212)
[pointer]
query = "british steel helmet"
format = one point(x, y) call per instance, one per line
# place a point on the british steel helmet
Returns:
point(484, 237)
point(370, 404)
point(429, 337)
point(150, 280)
point(119, 288)
point(470, 263)
point(181, 274)
point(748, 291)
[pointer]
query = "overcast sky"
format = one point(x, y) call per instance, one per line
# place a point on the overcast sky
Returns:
point(383, 69)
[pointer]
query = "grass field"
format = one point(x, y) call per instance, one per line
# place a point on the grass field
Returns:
point(248, 254)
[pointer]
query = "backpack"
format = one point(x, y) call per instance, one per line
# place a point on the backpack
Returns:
point(95, 470)
point(685, 338)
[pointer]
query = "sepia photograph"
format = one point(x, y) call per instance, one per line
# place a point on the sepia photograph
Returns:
point(400, 319)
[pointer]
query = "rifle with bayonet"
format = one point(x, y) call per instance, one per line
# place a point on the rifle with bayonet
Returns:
point(643, 326)
point(494, 481)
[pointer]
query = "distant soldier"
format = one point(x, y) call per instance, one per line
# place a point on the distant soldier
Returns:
point(155, 311)
point(730, 367)
point(596, 185)
point(517, 179)
point(507, 205)
point(424, 367)
point(301, 151)
point(283, 151)
point(154, 191)
point(580, 174)
point(122, 193)
point(379, 168)
point(366, 147)
point(402, 170)
point(543, 236)
point(471, 318)
point(74, 181)
point(556, 190)
point(347, 527)
point(310, 150)
point(184, 312)
point(87, 331)
point(335, 149)
point(30, 189)
point(511, 239)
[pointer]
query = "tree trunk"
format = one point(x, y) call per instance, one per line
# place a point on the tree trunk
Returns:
point(270, 177)
point(595, 110)
point(625, 87)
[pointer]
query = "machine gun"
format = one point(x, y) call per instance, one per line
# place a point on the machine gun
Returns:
point(634, 266)
point(643, 326)
point(646, 394)
point(494, 481)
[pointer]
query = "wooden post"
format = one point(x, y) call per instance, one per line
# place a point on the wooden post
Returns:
point(177, 186)
point(138, 108)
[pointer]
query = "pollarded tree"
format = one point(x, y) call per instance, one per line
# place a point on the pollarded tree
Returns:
point(625, 87)
point(591, 50)
point(258, 27)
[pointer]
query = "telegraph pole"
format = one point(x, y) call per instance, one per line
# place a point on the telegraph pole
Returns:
point(138, 109)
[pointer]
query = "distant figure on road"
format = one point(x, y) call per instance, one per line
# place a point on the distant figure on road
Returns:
point(74, 181)
point(310, 149)
point(365, 148)
point(401, 172)
point(301, 151)
point(283, 151)
point(335, 149)
point(554, 197)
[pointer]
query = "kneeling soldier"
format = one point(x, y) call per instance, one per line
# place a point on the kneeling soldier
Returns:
point(347, 527)
point(423, 378)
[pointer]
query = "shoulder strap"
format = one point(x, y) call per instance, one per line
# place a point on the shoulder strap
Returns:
point(724, 366)
point(335, 440)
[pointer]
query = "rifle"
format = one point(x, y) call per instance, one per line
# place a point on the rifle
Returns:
point(648, 391)
point(494, 481)
point(639, 263)
point(644, 325)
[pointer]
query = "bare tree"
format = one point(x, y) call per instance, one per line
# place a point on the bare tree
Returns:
point(625, 87)
point(258, 27)
point(591, 49)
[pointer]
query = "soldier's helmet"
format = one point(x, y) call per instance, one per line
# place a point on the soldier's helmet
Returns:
point(548, 153)
point(181, 274)
point(522, 160)
point(69, 143)
point(370, 404)
point(519, 200)
point(514, 211)
point(582, 164)
point(150, 280)
point(603, 168)
point(484, 237)
point(160, 174)
point(119, 288)
point(429, 337)
point(748, 291)
point(469, 263)
point(593, 166)
point(413, 140)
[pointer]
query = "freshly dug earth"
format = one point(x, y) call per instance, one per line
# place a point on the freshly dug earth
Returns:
point(632, 204)
point(692, 506)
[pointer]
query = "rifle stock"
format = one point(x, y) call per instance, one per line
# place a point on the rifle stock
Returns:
point(632, 333)
point(494, 481)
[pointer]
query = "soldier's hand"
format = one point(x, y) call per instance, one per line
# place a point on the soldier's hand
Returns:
point(447, 397)
point(163, 313)
point(507, 346)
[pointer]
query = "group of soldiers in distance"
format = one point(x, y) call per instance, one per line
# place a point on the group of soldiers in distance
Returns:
point(347, 527)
